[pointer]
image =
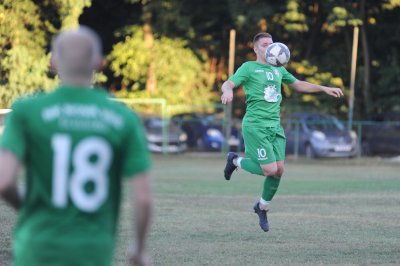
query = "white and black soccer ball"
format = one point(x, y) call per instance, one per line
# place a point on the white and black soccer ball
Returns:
point(277, 54)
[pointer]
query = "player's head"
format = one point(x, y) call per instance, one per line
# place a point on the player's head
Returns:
point(260, 43)
point(76, 53)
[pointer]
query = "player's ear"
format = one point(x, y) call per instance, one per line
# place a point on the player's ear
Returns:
point(53, 64)
point(100, 65)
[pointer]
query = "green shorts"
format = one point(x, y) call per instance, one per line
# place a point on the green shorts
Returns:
point(264, 144)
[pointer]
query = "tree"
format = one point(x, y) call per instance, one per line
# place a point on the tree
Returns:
point(377, 76)
point(69, 11)
point(298, 24)
point(319, 34)
point(26, 28)
point(384, 36)
point(24, 62)
point(181, 77)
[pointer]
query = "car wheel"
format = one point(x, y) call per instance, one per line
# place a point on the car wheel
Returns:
point(310, 152)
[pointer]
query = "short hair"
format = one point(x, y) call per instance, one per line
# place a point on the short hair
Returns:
point(77, 51)
point(261, 35)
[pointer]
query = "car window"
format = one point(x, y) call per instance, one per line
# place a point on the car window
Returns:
point(323, 123)
point(155, 122)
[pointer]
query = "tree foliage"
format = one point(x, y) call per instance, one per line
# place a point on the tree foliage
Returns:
point(70, 10)
point(25, 34)
point(170, 46)
point(181, 76)
point(24, 62)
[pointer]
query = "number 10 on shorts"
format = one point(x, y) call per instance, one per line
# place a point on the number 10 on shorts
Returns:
point(262, 153)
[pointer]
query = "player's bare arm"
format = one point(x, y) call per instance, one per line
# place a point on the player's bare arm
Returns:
point(307, 87)
point(9, 165)
point(143, 201)
point(227, 92)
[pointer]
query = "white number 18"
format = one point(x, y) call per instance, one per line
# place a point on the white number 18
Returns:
point(84, 170)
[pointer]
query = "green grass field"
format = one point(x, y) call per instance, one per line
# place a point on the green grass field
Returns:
point(326, 212)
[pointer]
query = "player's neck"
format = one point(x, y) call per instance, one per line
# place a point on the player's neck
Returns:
point(261, 61)
point(76, 81)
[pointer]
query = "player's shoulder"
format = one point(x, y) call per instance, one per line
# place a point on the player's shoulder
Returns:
point(249, 64)
point(29, 100)
point(283, 70)
point(278, 70)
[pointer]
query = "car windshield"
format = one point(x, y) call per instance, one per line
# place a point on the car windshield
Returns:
point(323, 123)
point(155, 122)
point(158, 123)
point(210, 119)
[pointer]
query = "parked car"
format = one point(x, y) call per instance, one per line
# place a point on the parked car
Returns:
point(318, 135)
point(204, 131)
point(381, 136)
point(174, 140)
point(3, 114)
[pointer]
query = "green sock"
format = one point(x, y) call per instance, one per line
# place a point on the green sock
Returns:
point(271, 185)
point(251, 166)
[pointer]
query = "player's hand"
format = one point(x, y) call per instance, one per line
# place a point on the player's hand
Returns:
point(227, 96)
point(139, 260)
point(335, 92)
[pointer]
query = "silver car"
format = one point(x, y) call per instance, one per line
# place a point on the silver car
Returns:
point(318, 135)
point(164, 136)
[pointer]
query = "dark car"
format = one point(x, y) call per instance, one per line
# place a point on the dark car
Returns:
point(381, 136)
point(164, 135)
point(318, 135)
point(204, 131)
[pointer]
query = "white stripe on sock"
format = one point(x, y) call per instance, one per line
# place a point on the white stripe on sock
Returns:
point(264, 202)
point(238, 161)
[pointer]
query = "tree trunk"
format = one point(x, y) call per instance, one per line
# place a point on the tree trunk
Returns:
point(151, 82)
point(221, 71)
point(316, 27)
point(367, 67)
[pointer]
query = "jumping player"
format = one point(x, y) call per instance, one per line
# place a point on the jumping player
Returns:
point(264, 137)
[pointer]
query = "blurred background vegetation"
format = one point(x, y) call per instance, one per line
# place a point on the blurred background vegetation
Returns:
point(178, 49)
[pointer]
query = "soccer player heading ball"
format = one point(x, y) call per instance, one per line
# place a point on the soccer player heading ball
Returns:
point(76, 146)
point(262, 132)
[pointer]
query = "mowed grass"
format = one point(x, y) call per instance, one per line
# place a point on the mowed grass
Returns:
point(326, 212)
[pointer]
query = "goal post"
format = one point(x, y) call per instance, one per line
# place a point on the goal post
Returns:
point(150, 106)
point(139, 105)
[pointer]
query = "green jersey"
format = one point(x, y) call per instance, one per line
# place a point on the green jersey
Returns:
point(262, 87)
point(76, 145)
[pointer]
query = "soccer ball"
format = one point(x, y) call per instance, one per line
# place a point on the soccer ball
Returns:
point(277, 54)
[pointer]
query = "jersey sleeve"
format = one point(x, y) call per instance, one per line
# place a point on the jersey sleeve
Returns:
point(240, 76)
point(287, 78)
point(13, 138)
point(137, 155)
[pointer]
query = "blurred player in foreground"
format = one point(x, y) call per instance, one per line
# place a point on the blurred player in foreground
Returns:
point(76, 146)
point(263, 134)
